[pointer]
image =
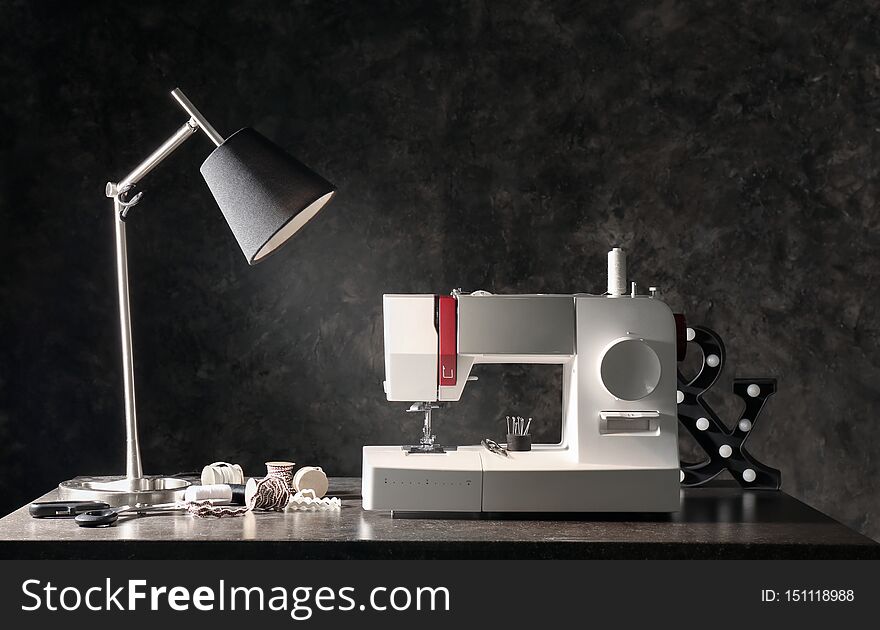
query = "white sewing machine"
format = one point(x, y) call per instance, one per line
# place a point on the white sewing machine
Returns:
point(619, 446)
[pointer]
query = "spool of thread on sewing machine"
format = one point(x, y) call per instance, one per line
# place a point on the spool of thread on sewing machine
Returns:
point(616, 272)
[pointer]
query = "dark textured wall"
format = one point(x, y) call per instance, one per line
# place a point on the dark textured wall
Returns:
point(730, 147)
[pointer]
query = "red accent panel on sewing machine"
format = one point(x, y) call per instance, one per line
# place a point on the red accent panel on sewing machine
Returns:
point(448, 354)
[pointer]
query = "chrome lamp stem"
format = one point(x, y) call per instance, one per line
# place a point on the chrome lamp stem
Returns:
point(133, 469)
point(134, 487)
point(117, 192)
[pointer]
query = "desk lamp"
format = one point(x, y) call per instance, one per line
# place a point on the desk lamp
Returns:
point(266, 196)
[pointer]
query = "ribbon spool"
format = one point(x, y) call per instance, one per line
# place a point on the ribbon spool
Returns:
point(283, 470)
point(311, 478)
point(269, 493)
point(222, 472)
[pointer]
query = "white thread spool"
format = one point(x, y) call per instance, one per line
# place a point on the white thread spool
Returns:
point(222, 472)
point(616, 272)
point(311, 478)
point(218, 494)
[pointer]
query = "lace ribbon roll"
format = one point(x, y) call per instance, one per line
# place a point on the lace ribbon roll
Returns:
point(205, 509)
point(269, 493)
point(306, 500)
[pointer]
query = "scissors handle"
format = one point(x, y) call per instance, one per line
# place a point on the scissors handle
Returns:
point(64, 509)
point(108, 516)
point(494, 447)
point(97, 518)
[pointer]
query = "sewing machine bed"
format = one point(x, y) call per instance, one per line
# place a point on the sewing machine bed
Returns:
point(471, 479)
point(718, 521)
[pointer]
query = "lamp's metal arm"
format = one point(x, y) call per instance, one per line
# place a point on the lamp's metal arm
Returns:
point(153, 160)
point(116, 191)
point(196, 115)
point(196, 121)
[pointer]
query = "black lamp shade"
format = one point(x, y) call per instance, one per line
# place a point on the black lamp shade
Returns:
point(265, 194)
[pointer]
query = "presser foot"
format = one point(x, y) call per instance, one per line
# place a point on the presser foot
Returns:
point(426, 444)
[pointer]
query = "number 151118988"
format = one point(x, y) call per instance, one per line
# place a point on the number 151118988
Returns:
point(808, 595)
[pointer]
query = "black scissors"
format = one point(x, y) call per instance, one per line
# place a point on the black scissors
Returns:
point(64, 509)
point(107, 516)
point(493, 446)
point(95, 513)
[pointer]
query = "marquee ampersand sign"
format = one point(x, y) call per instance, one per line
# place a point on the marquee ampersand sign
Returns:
point(725, 447)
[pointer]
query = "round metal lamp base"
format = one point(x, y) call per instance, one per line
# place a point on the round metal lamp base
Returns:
point(119, 491)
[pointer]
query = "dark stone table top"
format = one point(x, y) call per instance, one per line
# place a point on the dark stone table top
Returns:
point(719, 521)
